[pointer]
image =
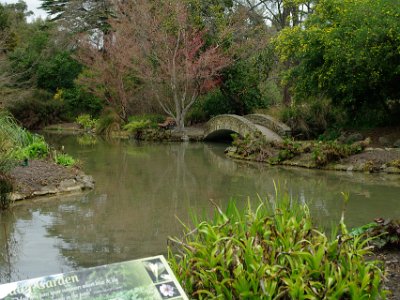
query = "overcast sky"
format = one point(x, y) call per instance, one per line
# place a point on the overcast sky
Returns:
point(32, 6)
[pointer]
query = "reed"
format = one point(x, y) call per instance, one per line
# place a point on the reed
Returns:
point(12, 139)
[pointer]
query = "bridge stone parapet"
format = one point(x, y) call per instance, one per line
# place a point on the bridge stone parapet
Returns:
point(270, 122)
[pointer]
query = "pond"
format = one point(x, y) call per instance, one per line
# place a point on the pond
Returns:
point(143, 189)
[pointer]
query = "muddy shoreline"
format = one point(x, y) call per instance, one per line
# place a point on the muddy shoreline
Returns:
point(374, 160)
point(45, 178)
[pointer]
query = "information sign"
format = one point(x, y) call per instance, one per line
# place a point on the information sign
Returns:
point(149, 278)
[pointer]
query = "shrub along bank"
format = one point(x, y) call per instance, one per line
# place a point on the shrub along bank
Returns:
point(146, 127)
point(273, 253)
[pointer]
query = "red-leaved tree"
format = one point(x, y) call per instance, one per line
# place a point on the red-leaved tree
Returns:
point(153, 46)
point(108, 73)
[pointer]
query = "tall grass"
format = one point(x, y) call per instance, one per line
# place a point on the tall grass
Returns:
point(108, 122)
point(16, 143)
point(11, 131)
point(12, 138)
point(272, 253)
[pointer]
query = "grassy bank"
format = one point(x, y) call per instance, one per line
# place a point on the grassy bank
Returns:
point(328, 155)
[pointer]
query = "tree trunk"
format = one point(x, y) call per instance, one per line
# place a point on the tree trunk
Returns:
point(287, 99)
point(180, 121)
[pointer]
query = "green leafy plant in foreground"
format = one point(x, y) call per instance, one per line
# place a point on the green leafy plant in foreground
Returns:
point(272, 254)
point(385, 233)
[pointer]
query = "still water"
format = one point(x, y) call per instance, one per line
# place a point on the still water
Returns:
point(142, 190)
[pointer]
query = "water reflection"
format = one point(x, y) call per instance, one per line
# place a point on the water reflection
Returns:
point(142, 188)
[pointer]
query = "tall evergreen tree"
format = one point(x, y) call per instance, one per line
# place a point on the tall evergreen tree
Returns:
point(79, 15)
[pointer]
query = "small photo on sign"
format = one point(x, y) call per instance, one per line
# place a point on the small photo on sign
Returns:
point(157, 271)
point(167, 290)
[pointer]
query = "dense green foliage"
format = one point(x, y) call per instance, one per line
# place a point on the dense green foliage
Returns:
point(312, 118)
point(58, 72)
point(78, 101)
point(36, 149)
point(243, 89)
point(348, 51)
point(209, 105)
point(242, 83)
point(86, 121)
point(39, 72)
point(38, 109)
point(338, 63)
point(27, 55)
point(11, 17)
point(385, 233)
point(272, 254)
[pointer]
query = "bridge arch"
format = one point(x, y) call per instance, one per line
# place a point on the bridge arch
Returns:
point(222, 126)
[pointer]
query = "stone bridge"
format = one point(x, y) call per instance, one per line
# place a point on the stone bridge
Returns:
point(222, 126)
